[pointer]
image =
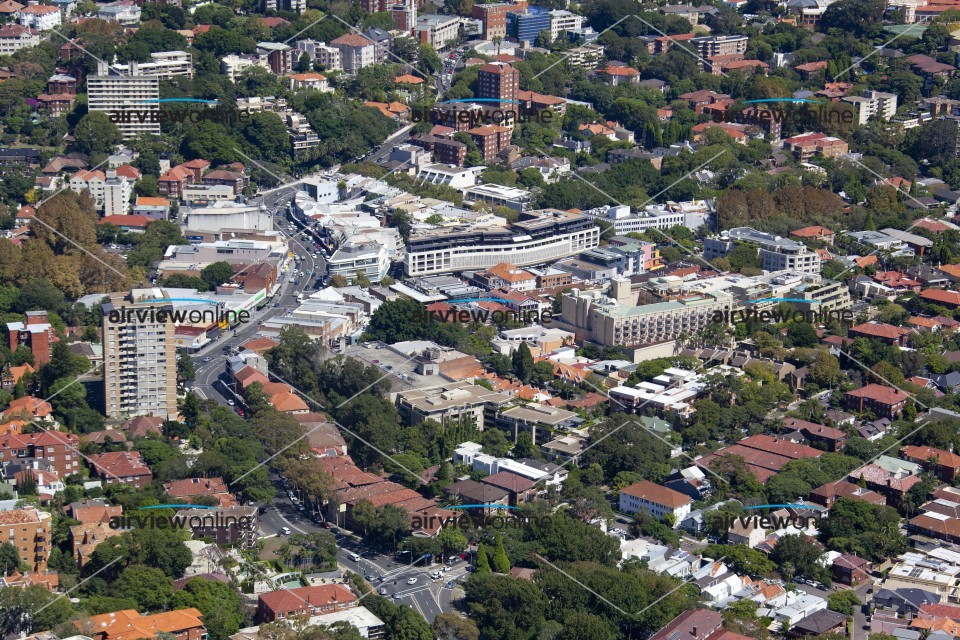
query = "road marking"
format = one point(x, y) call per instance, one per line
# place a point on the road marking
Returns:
point(289, 524)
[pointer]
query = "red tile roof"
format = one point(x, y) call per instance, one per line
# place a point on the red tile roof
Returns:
point(879, 393)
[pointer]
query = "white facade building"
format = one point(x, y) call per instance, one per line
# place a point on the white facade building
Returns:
point(129, 100)
point(163, 64)
point(562, 20)
point(116, 196)
point(41, 17)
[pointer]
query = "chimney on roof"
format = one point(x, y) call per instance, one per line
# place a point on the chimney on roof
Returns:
point(693, 631)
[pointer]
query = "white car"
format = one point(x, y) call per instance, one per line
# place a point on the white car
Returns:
point(412, 580)
point(284, 531)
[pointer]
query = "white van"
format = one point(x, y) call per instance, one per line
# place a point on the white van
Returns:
point(354, 557)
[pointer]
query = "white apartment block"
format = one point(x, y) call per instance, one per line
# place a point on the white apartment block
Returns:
point(164, 64)
point(562, 20)
point(41, 17)
point(92, 182)
point(320, 52)
point(438, 31)
point(692, 214)
point(284, 5)
point(776, 253)
point(873, 103)
point(139, 359)
point(356, 52)
point(352, 259)
point(233, 65)
point(126, 12)
point(116, 196)
point(130, 101)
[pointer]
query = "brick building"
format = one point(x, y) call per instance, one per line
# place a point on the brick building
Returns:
point(36, 333)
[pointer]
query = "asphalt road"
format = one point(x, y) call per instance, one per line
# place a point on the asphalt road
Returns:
point(427, 596)
point(208, 382)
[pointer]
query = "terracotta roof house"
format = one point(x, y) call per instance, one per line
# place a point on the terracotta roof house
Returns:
point(832, 439)
point(885, 402)
point(888, 333)
point(304, 602)
point(182, 624)
point(142, 426)
point(815, 233)
point(828, 494)
point(260, 345)
point(765, 455)
point(939, 296)
point(121, 466)
point(93, 511)
point(851, 570)
point(521, 489)
point(28, 407)
point(945, 464)
point(695, 624)
point(193, 487)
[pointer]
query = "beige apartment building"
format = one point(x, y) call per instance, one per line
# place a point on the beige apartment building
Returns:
point(139, 357)
point(28, 530)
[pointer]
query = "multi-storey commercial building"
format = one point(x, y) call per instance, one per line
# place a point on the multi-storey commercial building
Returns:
point(438, 31)
point(525, 26)
point(28, 530)
point(139, 357)
point(873, 103)
point(366, 258)
point(129, 100)
point(499, 81)
point(539, 237)
point(617, 320)
point(776, 253)
point(356, 52)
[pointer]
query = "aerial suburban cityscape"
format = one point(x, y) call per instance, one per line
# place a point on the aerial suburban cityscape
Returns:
point(480, 320)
